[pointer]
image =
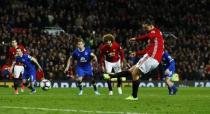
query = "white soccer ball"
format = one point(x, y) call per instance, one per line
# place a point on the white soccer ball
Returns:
point(45, 84)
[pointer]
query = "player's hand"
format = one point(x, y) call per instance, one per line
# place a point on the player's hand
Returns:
point(66, 69)
point(40, 69)
point(132, 39)
point(10, 69)
point(121, 65)
point(102, 68)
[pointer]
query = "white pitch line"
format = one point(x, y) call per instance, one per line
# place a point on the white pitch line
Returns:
point(69, 110)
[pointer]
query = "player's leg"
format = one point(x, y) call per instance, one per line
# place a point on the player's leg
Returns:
point(32, 75)
point(15, 80)
point(80, 73)
point(117, 68)
point(144, 65)
point(135, 84)
point(171, 86)
point(24, 79)
point(125, 73)
point(17, 71)
point(89, 72)
point(93, 82)
point(108, 69)
point(79, 84)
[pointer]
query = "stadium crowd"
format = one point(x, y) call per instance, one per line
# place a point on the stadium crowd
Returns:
point(91, 19)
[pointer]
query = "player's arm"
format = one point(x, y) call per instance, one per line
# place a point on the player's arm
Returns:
point(94, 57)
point(24, 50)
point(150, 35)
point(12, 66)
point(140, 52)
point(68, 64)
point(139, 38)
point(101, 59)
point(36, 62)
point(122, 56)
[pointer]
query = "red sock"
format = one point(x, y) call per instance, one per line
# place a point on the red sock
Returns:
point(22, 86)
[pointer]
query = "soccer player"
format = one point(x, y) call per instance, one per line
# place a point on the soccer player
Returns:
point(29, 68)
point(83, 56)
point(169, 69)
point(111, 57)
point(18, 68)
point(152, 56)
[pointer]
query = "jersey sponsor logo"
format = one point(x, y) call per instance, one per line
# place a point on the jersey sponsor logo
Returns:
point(83, 60)
point(112, 54)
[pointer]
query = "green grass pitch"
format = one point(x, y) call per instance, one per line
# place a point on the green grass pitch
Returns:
point(66, 101)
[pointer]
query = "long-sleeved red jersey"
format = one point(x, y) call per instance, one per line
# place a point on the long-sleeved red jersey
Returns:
point(111, 54)
point(155, 44)
point(12, 52)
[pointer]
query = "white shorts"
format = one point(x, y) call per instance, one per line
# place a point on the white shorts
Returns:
point(109, 66)
point(147, 64)
point(18, 70)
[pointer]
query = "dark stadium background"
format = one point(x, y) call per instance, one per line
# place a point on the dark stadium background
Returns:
point(25, 20)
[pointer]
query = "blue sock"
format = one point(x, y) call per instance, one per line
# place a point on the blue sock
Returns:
point(173, 88)
point(33, 89)
point(79, 85)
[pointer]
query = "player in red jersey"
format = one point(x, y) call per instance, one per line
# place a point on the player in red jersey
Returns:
point(18, 68)
point(111, 58)
point(152, 56)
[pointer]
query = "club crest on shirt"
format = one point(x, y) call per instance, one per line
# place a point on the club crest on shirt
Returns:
point(86, 53)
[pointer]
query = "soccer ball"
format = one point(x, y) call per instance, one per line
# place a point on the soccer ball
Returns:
point(45, 84)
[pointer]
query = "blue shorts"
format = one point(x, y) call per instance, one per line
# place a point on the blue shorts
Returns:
point(171, 70)
point(29, 74)
point(84, 71)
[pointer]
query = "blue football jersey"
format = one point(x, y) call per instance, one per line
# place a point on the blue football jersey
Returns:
point(83, 57)
point(168, 61)
point(26, 60)
point(167, 58)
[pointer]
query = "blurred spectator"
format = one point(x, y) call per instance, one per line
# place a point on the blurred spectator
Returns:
point(91, 19)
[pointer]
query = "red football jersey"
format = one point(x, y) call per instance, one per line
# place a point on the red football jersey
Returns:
point(12, 52)
point(155, 44)
point(111, 54)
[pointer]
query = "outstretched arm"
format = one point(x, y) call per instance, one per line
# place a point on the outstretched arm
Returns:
point(36, 62)
point(68, 64)
point(94, 57)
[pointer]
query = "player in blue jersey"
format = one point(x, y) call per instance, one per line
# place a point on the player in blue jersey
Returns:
point(169, 69)
point(29, 68)
point(83, 56)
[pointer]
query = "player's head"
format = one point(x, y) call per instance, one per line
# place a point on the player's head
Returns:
point(108, 39)
point(19, 52)
point(80, 43)
point(14, 43)
point(148, 25)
